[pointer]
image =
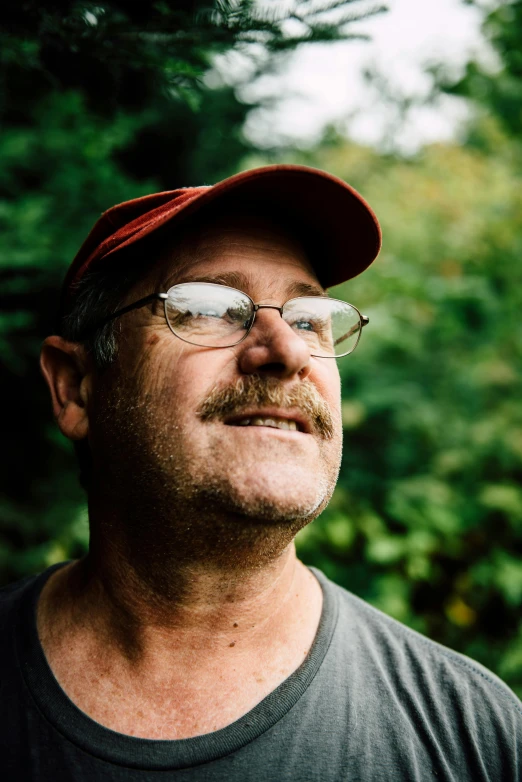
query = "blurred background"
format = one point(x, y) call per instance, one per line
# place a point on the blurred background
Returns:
point(419, 106)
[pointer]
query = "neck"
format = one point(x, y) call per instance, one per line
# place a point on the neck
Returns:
point(202, 642)
point(142, 595)
point(146, 560)
point(173, 594)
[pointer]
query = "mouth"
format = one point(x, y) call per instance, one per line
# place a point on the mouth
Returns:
point(284, 423)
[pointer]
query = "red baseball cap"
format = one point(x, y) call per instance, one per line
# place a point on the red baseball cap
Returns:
point(336, 213)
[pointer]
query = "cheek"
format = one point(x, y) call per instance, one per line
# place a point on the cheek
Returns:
point(327, 380)
point(179, 375)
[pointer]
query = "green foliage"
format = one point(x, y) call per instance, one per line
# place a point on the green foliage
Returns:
point(101, 102)
point(499, 92)
point(426, 522)
point(427, 519)
point(55, 174)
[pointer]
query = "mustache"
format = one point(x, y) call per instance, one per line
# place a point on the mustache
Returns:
point(259, 391)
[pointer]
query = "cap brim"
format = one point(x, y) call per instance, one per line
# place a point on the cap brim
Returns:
point(346, 233)
point(320, 203)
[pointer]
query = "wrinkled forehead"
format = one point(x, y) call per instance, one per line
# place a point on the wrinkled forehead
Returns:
point(238, 248)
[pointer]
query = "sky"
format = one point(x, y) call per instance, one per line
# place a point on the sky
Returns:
point(323, 84)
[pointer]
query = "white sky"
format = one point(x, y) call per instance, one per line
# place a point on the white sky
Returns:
point(324, 83)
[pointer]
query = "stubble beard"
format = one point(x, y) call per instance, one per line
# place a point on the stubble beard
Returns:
point(159, 503)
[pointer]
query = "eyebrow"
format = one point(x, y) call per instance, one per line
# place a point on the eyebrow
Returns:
point(241, 282)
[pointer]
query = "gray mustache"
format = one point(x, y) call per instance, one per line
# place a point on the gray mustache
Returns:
point(259, 391)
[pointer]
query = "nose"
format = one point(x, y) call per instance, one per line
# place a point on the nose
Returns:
point(273, 348)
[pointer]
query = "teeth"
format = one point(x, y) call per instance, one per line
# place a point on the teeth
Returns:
point(275, 423)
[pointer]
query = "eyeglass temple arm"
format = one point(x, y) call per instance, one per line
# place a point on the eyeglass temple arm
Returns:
point(135, 306)
point(362, 323)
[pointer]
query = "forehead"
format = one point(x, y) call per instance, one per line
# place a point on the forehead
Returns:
point(245, 251)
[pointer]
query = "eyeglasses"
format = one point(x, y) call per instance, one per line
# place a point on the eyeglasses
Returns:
point(217, 316)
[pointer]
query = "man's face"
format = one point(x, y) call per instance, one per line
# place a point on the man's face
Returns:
point(147, 431)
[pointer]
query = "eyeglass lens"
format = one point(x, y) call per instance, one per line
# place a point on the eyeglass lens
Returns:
point(214, 315)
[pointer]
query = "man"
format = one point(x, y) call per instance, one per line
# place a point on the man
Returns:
point(195, 370)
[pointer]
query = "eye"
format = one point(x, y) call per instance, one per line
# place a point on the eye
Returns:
point(305, 321)
point(303, 325)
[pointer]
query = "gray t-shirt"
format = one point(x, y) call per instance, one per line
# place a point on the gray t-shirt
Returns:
point(372, 702)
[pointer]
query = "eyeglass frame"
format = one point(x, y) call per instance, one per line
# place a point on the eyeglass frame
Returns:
point(363, 319)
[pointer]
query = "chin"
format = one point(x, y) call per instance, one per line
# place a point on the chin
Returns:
point(282, 497)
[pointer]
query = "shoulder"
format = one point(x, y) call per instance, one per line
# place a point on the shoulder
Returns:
point(429, 676)
point(12, 610)
point(418, 703)
point(10, 594)
point(14, 594)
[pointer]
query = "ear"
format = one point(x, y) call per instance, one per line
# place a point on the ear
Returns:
point(66, 370)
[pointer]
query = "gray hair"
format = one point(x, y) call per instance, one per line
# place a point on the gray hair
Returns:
point(97, 295)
